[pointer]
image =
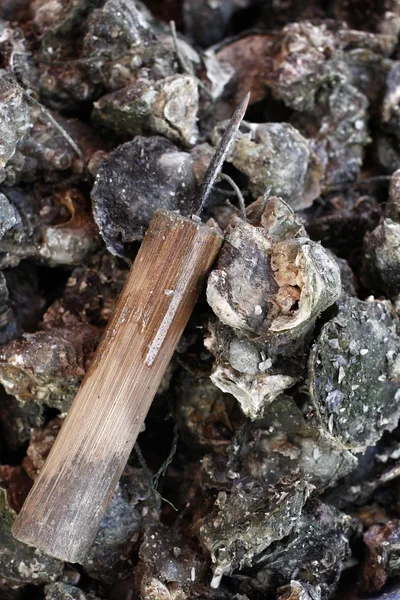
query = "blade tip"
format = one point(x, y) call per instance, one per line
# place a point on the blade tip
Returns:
point(245, 103)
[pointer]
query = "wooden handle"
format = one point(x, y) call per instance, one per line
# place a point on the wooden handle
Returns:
point(63, 511)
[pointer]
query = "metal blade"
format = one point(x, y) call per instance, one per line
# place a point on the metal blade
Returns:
point(221, 153)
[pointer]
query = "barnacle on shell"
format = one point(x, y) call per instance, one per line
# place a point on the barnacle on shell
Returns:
point(314, 551)
point(15, 119)
point(48, 366)
point(166, 107)
point(382, 256)
point(248, 520)
point(267, 287)
point(354, 372)
point(270, 284)
point(277, 156)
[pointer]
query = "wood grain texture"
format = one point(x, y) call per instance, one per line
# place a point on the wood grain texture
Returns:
point(63, 511)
